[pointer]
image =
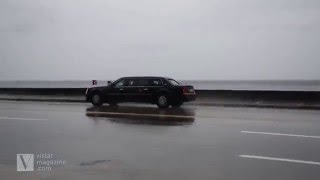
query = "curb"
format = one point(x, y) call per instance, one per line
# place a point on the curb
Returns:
point(271, 106)
point(43, 100)
point(302, 107)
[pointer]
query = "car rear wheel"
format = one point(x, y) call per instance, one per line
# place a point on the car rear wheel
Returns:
point(163, 101)
point(96, 100)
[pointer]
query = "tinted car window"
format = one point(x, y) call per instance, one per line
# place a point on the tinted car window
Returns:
point(127, 83)
point(142, 82)
point(122, 83)
point(155, 82)
point(173, 82)
point(132, 82)
point(148, 82)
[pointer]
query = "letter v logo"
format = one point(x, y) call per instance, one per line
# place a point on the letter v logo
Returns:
point(25, 162)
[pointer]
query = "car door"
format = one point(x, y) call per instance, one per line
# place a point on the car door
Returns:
point(131, 91)
point(125, 90)
point(118, 91)
point(148, 87)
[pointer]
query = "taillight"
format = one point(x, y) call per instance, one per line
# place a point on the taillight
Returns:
point(187, 90)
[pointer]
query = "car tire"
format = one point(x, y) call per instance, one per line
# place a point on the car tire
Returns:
point(177, 104)
point(163, 101)
point(96, 100)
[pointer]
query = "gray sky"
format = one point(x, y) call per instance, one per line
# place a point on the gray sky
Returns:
point(184, 39)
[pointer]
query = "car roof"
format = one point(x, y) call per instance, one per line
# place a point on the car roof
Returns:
point(146, 77)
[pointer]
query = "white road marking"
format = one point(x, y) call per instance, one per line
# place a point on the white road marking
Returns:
point(137, 114)
point(24, 119)
point(280, 134)
point(279, 159)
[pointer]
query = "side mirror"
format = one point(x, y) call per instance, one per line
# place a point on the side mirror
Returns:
point(109, 82)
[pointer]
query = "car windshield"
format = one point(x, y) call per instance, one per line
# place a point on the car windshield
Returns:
point(174, 82)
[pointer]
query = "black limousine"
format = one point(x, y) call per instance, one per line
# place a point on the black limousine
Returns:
point(155, 90)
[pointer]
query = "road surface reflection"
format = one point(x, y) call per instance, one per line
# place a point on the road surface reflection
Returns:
point(143, 115)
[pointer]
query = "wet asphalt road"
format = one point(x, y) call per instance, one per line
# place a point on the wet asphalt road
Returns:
point(143, 143)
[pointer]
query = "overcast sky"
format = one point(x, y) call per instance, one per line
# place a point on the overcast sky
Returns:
point(184, 39)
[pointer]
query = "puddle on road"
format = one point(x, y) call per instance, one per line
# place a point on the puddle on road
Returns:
point(94, 162)
point(143, 115)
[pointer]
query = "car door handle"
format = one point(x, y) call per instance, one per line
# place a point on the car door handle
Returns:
point(145, 89)
point(121, 89)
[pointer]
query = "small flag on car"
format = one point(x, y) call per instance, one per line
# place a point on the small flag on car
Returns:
point(94, 82)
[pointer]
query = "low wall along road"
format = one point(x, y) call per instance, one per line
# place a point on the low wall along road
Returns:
point(231, 98)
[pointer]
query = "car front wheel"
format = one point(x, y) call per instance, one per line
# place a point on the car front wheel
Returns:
point(163, 101)
point(96, 100)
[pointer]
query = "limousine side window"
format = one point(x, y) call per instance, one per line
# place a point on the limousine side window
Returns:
point(142, 82)
point(149, 82)
point(155, 82)
point(121, 83)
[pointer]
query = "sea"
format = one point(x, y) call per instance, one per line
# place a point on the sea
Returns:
point(270, 85)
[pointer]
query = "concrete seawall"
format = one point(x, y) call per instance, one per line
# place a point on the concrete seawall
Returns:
point(225, 94)
point(44, 91)
point(276, 99)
